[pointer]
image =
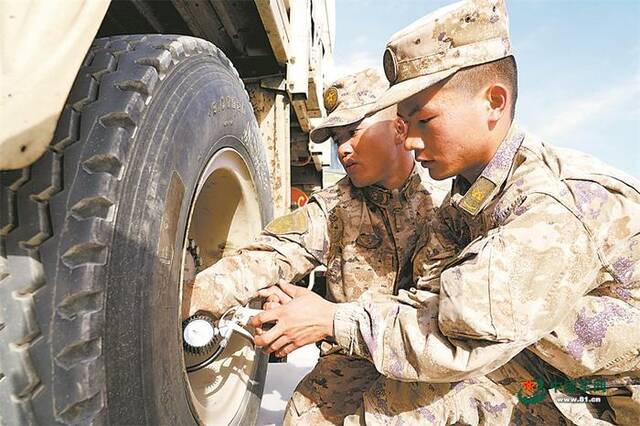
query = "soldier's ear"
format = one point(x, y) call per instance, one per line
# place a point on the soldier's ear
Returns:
point(401, 130)
point(497, 98)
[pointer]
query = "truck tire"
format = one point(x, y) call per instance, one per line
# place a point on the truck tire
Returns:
point(157, 149)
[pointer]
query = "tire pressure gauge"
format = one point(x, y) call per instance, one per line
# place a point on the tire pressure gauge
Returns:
point(201, 337)
point(198, 334)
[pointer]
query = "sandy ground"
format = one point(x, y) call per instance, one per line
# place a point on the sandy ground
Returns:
point(282, 379)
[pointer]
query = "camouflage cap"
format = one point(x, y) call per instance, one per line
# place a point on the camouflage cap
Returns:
point(470, 32)
point(348, 101)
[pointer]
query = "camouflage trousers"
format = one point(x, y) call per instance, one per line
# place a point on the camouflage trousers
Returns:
point(345, 390)
point(331, 391)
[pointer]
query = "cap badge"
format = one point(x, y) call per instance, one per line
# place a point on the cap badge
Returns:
point(330, 99)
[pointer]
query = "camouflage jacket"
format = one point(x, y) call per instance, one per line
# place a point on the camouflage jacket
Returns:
point(364, 236)
point(541, 252)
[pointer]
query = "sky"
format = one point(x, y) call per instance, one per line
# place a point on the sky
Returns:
point(578, 64)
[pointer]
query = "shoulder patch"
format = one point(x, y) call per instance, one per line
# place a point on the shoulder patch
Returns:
point(292, 223)
point(476, 195)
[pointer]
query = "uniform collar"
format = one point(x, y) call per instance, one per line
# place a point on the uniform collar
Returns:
point(477, 195)
point(383, 197)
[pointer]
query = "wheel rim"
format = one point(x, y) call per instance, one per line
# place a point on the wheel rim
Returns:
point(225, 215)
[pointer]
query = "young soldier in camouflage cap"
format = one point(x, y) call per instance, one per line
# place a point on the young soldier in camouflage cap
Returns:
point(363, 229)
point(531, 271)
point(348, 100)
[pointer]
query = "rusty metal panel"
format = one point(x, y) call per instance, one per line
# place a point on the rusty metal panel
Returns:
point(299, 102)
point(150, 15)
point(276, 24)
point(315, 105)
point(283, 129)
point(272, 110)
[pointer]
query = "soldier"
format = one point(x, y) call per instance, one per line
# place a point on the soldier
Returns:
point(530, 271)
point(363, 229)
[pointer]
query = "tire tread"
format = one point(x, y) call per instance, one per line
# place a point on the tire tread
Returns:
point(43, 229)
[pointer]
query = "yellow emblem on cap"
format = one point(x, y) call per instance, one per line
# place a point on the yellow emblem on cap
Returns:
point(292, 223)
point(330, 99)
point(474, 199)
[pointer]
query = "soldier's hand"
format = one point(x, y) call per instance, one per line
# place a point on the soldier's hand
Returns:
point(307, 318)
point(274, 297)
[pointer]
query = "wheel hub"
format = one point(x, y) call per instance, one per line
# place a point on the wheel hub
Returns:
point(225, 215)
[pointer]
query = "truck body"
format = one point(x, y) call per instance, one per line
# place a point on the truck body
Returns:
point(142, 141)
point(280, 48)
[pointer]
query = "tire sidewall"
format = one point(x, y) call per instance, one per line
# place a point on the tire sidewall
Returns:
point(199, 108)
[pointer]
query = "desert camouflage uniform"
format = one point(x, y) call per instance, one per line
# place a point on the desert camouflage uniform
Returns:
point(533, 270)
point(366, 238)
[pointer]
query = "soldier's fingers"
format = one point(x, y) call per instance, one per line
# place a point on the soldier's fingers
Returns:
point(284, 297)
point(265, 317)
point(276, 299)
point(275, 292)
point(286, 350)
point(267, 337)
point(293, 290)
point(279, 343)
point(263, 329)
point(270, 306)
point(266, 292)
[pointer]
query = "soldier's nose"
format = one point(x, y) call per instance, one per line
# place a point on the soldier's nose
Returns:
point(345, 149)
point(413, 143)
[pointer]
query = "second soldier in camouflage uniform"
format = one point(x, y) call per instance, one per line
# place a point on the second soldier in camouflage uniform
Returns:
point(530, 270)
point(363, 229)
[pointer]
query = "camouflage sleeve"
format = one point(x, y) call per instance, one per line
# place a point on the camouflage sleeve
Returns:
point(503, 292)
point(600, 336)
point(286, 250)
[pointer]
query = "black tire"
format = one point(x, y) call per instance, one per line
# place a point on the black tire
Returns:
point(91, 236)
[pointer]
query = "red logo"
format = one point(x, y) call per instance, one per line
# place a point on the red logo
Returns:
point(532, 391)
point(529, 387)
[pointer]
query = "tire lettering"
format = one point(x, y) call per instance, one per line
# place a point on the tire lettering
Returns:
point(225, 103)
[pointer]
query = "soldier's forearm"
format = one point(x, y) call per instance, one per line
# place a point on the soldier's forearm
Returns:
point(401, 337)
point(235, 280)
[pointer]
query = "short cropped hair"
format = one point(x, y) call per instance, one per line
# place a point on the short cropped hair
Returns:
point(473, 78)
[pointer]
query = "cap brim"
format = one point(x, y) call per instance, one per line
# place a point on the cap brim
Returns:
point(338, 118)
point(404, 90)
